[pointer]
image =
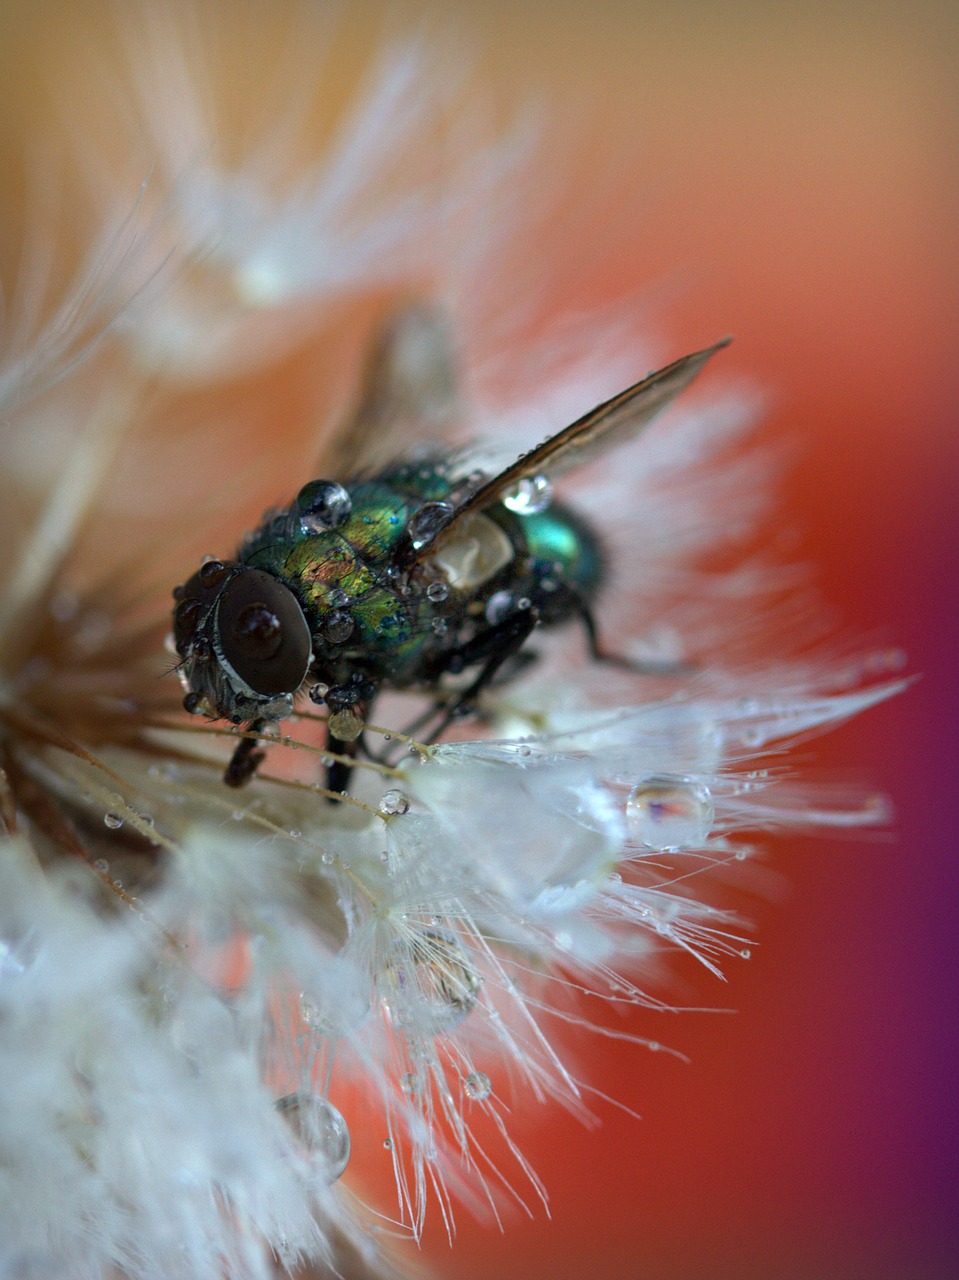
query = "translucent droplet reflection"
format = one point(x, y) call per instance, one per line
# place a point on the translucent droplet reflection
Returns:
point(346, 725)
point(531, 495)
point(430, 983)
point(477, 1086)
point(670, 812)
point(320, 1129)
point(426, 522)
point(323, 504)
point(395, 802)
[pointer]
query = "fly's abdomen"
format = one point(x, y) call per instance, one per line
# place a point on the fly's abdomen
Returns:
point(563, 565)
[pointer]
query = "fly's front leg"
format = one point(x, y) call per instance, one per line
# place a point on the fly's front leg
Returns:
point(339, 772)
point(247, 758)
point(350, 703)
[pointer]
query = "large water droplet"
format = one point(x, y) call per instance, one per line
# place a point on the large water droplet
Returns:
point(477, 1086)
point(323, 504)
point(320, 1129)
point(426, 522)
point(670, 812)
point(531, 495)
point(345, 725)
point(113, 820)
point(430, 983)
point(395, 802)
point(337, 626)
point(437, 591)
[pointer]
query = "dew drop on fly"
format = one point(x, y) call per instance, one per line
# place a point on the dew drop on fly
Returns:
point(323, 505)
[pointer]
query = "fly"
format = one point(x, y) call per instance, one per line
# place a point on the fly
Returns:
point(405, 576)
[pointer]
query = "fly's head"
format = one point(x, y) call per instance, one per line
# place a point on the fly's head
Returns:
point(243, 642)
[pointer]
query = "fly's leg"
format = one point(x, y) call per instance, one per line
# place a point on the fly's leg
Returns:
point(493, 646)
point(599, 654)
point(357, 696)
point(246, 759)
point(338, 772)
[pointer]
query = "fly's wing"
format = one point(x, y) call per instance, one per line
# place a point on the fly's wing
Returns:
point(611, 423)
point(409, 392)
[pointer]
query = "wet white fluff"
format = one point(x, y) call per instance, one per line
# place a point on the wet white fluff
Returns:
point(175, 958)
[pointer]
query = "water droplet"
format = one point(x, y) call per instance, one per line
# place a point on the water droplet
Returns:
point(437, 591)
point(477, 1086)
point(336, 598)
point(410, 1082)
point(395, 802)
point(212, 572)
point(113, 820)
point(440, 626)
point(318, 693)
point(670, 812)
point(102, 865)
point(430, 983)
point(345, 725)
point(295, 834)
point(745, 953)
point(311, 1014)
point(499, 606)
point(531, 495)
point(323, 504)
point(388, 1144)
point(426, 522)
point(321, 1130)
point(337, 626)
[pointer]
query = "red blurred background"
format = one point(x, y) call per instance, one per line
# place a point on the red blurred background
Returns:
point(798, 163)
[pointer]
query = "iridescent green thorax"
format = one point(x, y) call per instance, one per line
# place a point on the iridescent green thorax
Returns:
point(367, 615)
point(361, 616)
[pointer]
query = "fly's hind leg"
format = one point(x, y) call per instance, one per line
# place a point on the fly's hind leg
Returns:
point(599, 654)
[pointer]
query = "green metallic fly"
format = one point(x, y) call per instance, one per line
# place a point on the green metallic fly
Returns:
point(419, 570)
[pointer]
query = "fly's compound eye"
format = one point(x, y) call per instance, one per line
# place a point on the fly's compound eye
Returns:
point(263, 634)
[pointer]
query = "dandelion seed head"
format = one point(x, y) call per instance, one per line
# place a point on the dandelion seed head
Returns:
point(196, 983)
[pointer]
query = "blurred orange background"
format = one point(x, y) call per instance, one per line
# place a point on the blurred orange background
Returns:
point(791, 178)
